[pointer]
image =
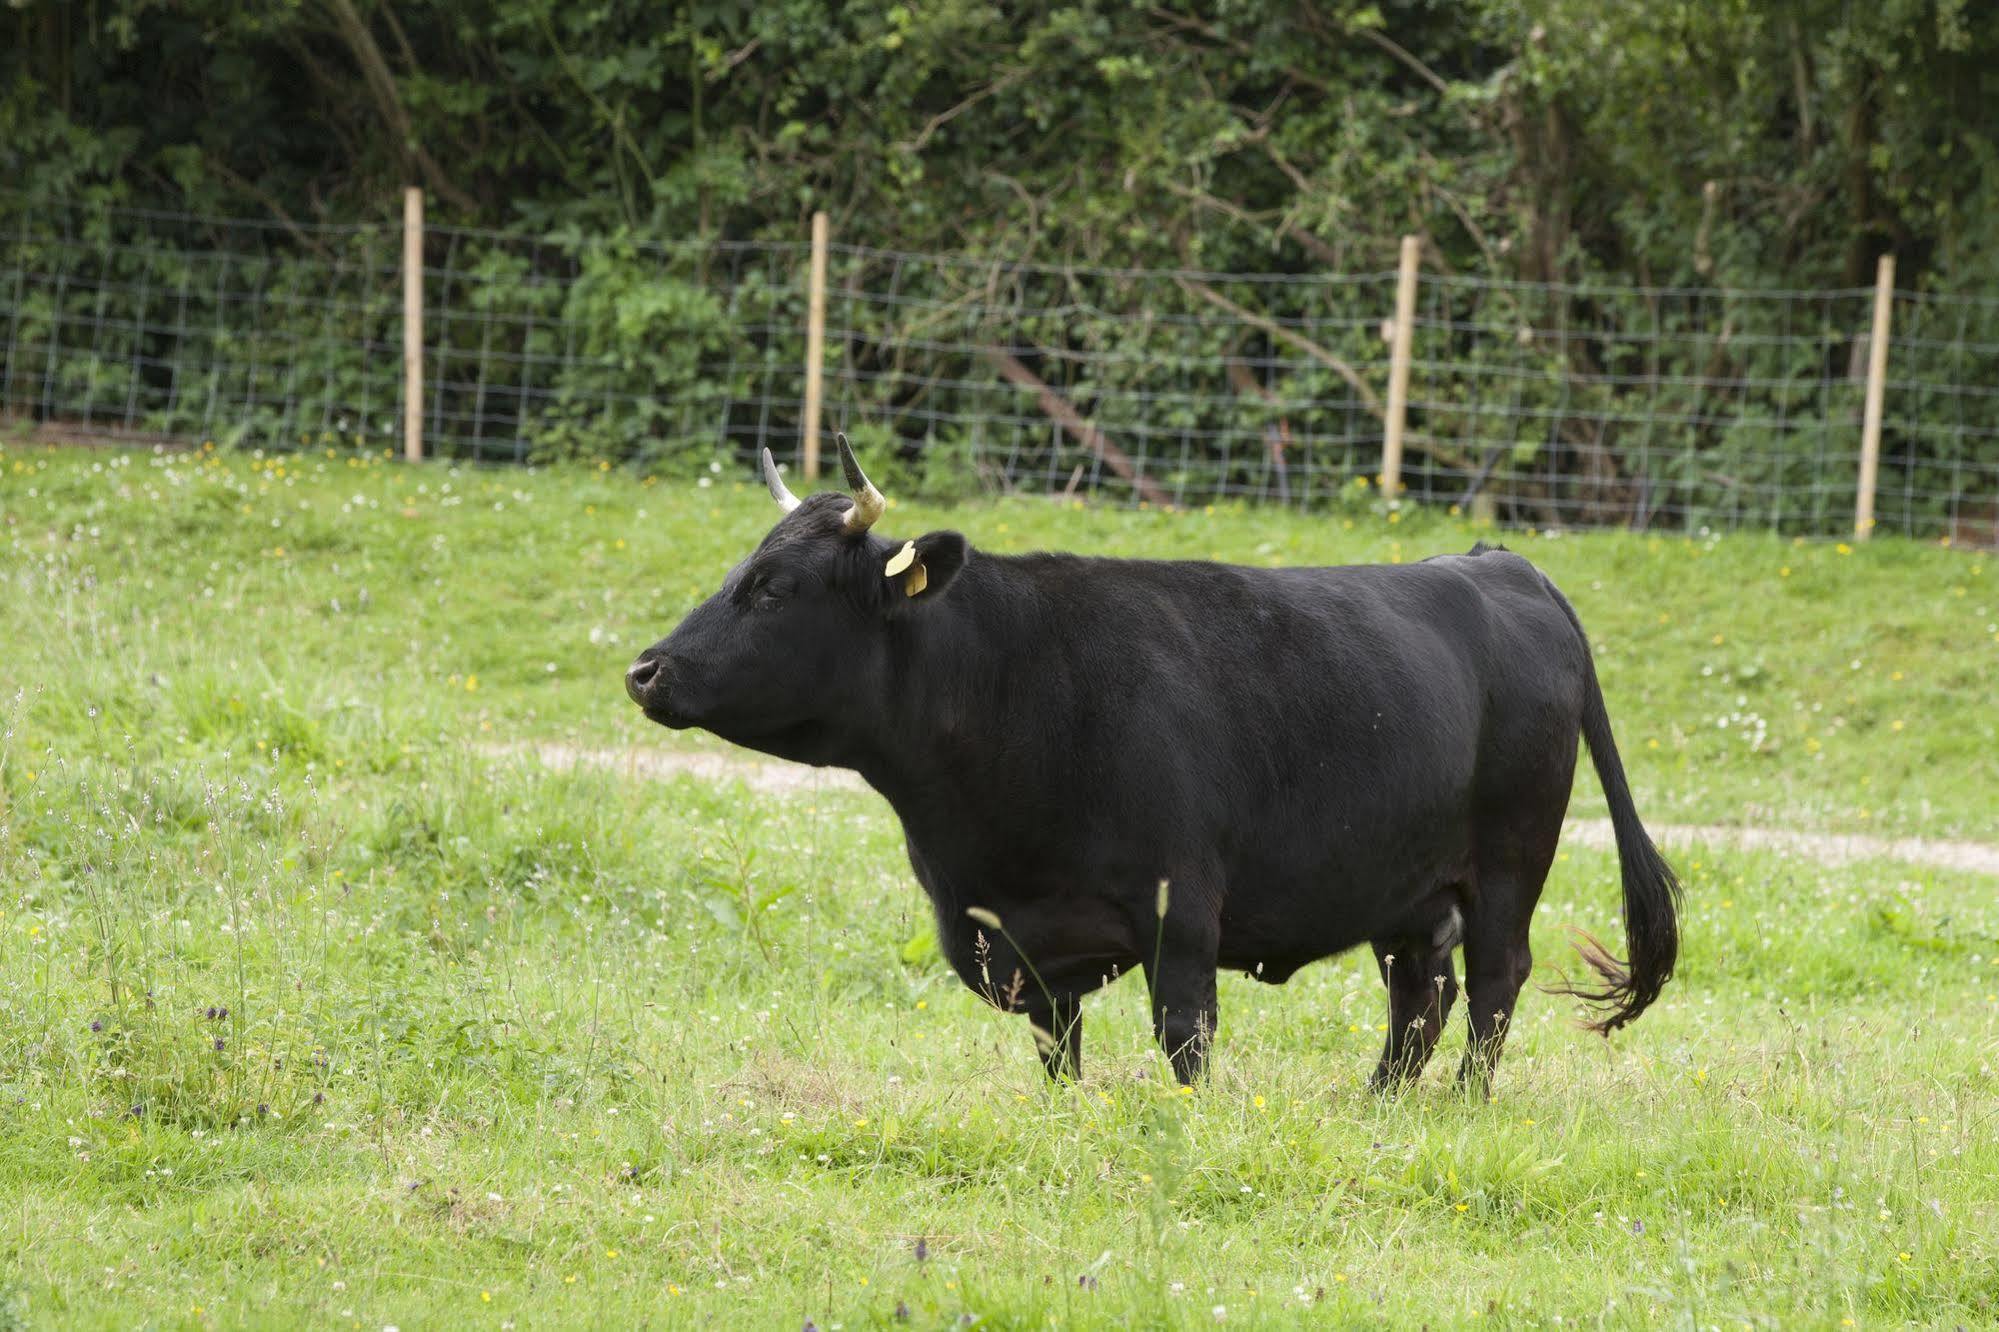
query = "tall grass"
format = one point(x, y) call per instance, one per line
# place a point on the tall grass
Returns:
point(313, 1010)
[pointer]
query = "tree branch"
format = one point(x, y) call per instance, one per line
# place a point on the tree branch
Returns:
point(943, 118)
point(1196, 287)
point(1057, 408)
point(402, 38)
point(1401, 53)
point(1307, 242)
point(1188, 23)
point(1419, 443)
point(733, 59)
point(1276, 435)
point(388, 104)
point(270, 201)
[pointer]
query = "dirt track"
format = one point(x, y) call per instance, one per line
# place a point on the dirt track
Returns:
point(773, 775)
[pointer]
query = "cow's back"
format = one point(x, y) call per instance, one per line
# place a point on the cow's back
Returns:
point(1239, 684)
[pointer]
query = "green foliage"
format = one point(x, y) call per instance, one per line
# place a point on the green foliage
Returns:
point(648, 378)
point(627, 148)
point(1749, 144)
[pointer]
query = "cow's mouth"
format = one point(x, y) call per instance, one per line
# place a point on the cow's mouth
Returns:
point(665, 716)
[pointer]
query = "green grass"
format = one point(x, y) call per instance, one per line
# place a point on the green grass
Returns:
point(506, 1045)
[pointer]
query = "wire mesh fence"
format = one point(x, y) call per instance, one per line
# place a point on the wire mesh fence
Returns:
point(1544, 404)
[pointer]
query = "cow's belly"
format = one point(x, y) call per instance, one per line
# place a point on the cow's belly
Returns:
point(1275, 918)
point(1308, 859)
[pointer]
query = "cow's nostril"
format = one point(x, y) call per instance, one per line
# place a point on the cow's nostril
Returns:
point(643, 672)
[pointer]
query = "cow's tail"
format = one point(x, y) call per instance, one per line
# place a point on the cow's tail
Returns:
point(1652, 894)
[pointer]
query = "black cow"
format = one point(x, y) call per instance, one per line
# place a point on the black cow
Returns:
point(1181, 766)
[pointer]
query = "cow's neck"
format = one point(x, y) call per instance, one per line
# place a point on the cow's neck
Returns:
point(964, 681)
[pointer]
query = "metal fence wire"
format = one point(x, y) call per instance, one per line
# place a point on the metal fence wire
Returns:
point(1541, 404)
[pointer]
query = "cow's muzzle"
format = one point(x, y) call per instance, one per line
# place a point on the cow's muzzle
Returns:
point(644, 675)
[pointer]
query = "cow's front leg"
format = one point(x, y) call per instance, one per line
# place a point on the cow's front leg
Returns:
point(1181, 977)
point(1058, 1032)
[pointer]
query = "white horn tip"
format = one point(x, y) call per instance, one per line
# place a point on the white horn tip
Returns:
point(778, 490)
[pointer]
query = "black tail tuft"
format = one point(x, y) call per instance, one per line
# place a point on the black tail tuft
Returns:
point(1627, 988)
point(1652, 892)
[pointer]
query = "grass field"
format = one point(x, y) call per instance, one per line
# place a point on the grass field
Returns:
point(317, 1008)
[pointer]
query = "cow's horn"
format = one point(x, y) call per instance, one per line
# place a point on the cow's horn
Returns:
point(868, 502)
point(778, 490)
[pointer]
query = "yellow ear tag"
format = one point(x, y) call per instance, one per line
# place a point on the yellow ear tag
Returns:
point(901, 560)
point(916, 582)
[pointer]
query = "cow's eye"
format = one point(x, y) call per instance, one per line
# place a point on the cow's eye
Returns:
point(769, 593)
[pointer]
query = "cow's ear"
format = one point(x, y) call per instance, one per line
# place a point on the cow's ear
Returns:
point(920, 570)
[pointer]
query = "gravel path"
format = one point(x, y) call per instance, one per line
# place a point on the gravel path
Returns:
point(777, 776)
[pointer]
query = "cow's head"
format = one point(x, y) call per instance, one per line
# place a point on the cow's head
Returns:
point(795, 647)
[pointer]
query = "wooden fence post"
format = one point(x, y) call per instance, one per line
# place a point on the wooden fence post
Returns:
point(815, 344)
point(413, 324)
point(1877, 389)
point(1402, 343)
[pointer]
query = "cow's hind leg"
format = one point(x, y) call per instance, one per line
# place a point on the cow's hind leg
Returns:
point(1422, 985)
point(1527, 769)
point(1498, 959)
